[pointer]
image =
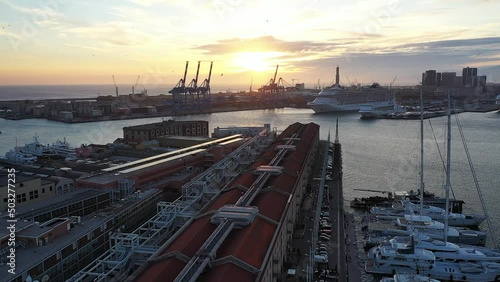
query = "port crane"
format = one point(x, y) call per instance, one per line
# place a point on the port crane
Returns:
point(135, 85)
point(390, 85)
point(191, 98)
point(193, 85)
point(116, 87)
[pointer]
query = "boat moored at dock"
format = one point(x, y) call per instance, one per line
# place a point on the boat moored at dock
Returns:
point(406, 207)
point(337, 99)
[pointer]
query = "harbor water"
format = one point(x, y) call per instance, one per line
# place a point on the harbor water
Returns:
point(377, 154)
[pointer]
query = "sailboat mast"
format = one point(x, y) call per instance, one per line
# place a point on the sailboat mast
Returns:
point(421, 150)
point(447, 185)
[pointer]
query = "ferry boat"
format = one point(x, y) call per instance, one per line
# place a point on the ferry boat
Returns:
point(39, 150)
point(63, 149)
point(17, 157)
point(338, 99)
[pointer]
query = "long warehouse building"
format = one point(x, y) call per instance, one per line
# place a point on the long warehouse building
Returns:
point(244, 233)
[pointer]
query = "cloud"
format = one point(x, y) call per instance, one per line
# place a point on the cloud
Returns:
point(3, 32)
point(46, 11)
point(115, 33)
point(475, 42)
point(268, 44)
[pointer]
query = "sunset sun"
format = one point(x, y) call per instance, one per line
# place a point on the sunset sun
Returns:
point(253, 61)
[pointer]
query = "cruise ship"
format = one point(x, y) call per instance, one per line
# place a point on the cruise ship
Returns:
point(338, 99)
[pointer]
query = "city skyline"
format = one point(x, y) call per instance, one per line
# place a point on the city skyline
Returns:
point(76, 42)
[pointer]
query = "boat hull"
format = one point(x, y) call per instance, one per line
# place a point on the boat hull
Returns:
point(333, 107)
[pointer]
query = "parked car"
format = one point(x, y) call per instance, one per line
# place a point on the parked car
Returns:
point(320, 259)
point(326, 231)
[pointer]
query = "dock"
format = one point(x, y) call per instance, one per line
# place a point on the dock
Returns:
point(343, 264)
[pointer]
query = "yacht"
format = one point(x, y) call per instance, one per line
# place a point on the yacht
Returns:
point(64, 149)
point(498, 101)
point(368, 111)
point(408, 278)
point(392, 260)
point(405, 206)
point(338, 99)
point(17, 157)
point(394, 226)
point(445, 251)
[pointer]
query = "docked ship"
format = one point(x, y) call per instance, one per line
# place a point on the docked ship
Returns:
point(406, 207)
point(337, 99)
point(368, 111)
point(39, 150)
point(15, 156)
point(64, 149)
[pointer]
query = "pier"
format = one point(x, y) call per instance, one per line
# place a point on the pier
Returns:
point(325, 194)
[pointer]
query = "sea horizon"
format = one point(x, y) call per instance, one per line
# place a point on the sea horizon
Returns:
point(61, 91)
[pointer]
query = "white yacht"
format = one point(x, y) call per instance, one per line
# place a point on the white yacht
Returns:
point(392, 260)
point(370, 111)
point(446, 251)
point(338, 99)
point(64, 149)
point(393, 225)
point(406, 207)
point(389, 260)
point(17, 157)
point(408, 278)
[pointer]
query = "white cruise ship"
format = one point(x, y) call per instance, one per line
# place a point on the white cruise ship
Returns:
point(337, 99)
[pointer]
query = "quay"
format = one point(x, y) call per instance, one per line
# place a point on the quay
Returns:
point(325, 193)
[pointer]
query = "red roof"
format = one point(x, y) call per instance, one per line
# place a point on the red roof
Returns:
point(228, 272)
point(271, 204)
point(284, 182)
point(249, 244)
point(163, 270)
point(226, 197)
point(190, 241)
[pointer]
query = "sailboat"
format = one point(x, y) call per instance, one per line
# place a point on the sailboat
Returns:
point(406, 225)
point(397, 258)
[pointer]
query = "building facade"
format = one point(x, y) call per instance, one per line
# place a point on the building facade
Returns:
point(151, 131)
point(28, 189)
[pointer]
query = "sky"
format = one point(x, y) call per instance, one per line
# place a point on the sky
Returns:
point(384, 41)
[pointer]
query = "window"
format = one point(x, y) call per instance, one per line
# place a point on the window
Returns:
point(5, 200)
point(43, 190)
point(50, 188)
